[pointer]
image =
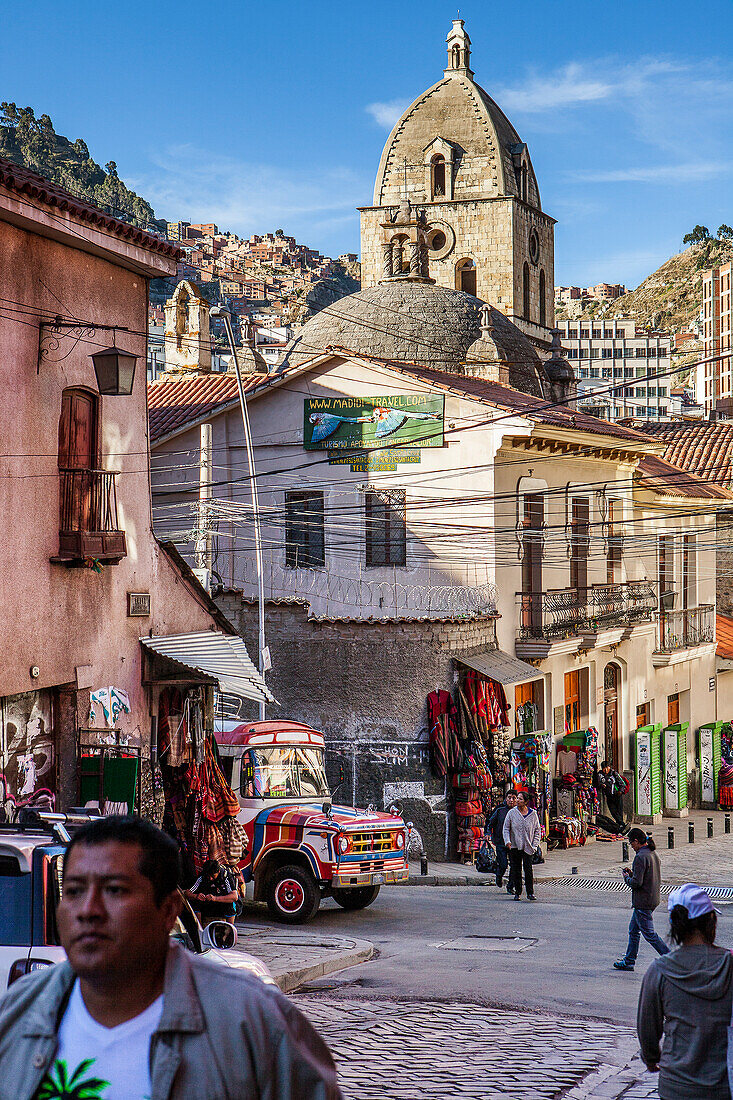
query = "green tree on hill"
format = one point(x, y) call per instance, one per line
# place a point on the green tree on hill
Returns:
point(699, 235)
point(33, 143)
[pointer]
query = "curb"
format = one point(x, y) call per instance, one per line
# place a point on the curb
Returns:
point(350, 952)
point(289, 980)
point(468, 880)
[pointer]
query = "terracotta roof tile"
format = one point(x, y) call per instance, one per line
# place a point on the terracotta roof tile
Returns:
point(17, 178)
point(505, 397)
point(671, 481)
point(724, 635)
point(172, 404)
point(705, 447)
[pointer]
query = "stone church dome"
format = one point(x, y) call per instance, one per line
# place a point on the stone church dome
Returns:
point(404, 320)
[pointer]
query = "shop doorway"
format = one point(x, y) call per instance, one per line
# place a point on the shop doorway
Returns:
point(673, 709)
point(611, 703)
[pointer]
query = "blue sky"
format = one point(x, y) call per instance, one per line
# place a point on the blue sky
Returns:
point(273, 115)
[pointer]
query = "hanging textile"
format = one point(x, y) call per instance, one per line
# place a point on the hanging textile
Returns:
point(443, 719)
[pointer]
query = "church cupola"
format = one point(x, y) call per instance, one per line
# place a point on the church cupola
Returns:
point(459, 50)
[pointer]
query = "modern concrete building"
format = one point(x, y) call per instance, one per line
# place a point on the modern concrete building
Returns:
point(714, 378)
point(621, 372)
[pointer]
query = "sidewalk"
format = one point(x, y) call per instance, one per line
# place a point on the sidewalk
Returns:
point(707, 861)
point(295, 957)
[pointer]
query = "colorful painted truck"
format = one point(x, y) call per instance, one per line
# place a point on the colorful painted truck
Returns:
point(301, 847)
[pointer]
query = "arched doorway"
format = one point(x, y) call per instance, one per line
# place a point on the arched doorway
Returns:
point(611, 713)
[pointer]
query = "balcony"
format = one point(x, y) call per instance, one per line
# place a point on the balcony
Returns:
point(686, 629)
point(548, 617)
point(88, 525)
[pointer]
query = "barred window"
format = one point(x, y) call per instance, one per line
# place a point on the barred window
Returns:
point(305, 543)
point(386, 533)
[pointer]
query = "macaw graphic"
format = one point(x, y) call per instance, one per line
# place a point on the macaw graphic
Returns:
point(389, 420)
point(386, 421)
point(325, 424)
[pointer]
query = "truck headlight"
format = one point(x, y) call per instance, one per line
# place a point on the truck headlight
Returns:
point(344, 844)
point(400, 840)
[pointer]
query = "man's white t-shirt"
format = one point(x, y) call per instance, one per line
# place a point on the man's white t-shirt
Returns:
point(113, 1062)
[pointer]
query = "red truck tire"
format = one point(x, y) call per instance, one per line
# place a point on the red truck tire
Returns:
point(292, 895)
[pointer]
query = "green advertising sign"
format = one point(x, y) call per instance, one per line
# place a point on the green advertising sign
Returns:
point(341, 423)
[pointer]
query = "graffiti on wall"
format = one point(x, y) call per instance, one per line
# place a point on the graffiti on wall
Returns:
point(28, 757)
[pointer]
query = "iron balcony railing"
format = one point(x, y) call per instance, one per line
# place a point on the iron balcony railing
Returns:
point(88, 525)
point(562, 612)
point(684, 629)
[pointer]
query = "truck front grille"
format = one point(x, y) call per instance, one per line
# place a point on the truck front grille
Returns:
point(367, 843)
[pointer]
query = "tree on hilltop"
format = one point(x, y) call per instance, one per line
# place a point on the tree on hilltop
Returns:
point(725, 233)
point(699, 235)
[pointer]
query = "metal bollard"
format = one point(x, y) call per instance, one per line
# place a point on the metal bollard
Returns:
point(625, 851)
point(727, 823)
point(670, 836)
point(710, 826)
point(423, 864)
point(691, 832)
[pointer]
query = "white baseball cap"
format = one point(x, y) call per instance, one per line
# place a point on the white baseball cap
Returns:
point(693, 898)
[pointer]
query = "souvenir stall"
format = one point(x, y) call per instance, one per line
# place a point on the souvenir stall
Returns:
point(529, 771)
point(575, 797)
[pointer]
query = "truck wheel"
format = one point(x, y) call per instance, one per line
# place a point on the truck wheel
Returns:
point(292, 895)
point(355, 897)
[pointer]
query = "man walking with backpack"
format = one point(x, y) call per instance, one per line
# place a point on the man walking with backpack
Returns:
point(495, 829)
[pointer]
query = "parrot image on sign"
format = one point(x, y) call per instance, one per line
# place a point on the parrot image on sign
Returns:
point(389, 420)
point(325, 424)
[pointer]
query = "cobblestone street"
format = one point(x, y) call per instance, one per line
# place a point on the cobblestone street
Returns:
point(388, 1050)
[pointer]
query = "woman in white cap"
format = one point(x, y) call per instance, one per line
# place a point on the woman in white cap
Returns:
point(688, 995)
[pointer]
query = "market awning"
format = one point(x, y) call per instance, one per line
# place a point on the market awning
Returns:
point(499, 666)
point(221, 657)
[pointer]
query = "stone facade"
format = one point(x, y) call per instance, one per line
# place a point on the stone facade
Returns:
point(187, 341)
point(456, 155)
point(373, 681)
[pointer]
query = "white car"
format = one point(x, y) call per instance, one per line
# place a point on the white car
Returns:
point(31, 862)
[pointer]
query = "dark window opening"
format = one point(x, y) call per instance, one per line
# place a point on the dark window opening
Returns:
point(466, 280)
point(543, 303)
point(386, 532)
point(437, 241)
point(305, 543)
point(525, 291)
point(580, 526)
point(438, 181)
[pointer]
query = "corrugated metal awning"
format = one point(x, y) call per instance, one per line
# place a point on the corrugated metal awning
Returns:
point(221, 657)
point(499, 666)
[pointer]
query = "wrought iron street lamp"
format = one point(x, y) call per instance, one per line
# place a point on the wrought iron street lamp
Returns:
point(115, 371)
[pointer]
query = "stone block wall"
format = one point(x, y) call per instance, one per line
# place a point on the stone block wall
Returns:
point(364, 685)
point(724, 563)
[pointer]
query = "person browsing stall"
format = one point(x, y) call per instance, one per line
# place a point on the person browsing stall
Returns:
point(522, 835)
point(214, 893)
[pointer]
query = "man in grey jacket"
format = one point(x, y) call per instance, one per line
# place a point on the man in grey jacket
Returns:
point(131, 1014)
point(645, 879)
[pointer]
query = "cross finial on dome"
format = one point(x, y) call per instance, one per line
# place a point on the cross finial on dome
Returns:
point(459, 50)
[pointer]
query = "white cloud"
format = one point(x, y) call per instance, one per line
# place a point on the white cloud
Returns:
point(246, 197)
point(659, 173)
point(387, 114)
point(575, 84)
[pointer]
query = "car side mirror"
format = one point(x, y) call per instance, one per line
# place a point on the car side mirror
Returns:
point(219, 934)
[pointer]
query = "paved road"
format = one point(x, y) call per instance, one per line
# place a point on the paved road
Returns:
point(441, 1012)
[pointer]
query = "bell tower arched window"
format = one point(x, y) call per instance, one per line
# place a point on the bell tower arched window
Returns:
point(437, 177)
point(466, 276)
point(543, 302)
point(525, 291)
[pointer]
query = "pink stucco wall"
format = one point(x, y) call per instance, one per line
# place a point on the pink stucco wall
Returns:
point(57, 618)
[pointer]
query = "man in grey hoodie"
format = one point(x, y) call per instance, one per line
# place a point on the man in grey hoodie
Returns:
point(687, 995)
